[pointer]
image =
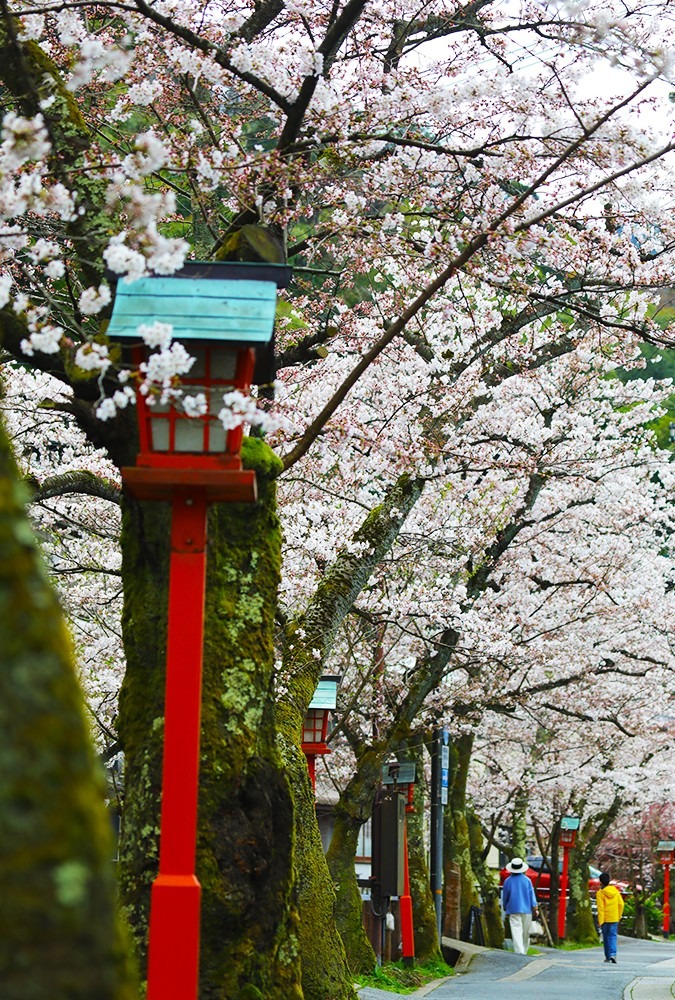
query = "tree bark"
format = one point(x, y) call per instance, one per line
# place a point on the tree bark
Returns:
point(353, 809)
point(59, 931)
point(493, 925)
point(325, 971)
point(580, 926)
point(424, 911)
point(456, 839)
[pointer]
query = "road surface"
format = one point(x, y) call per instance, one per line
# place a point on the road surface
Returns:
point(645, 970)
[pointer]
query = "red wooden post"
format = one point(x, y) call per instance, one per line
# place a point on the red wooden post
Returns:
point(562, 902)
point(311, 767)
point(173, 959)
point(666, 900)
point(569, 827)
point(405, 901)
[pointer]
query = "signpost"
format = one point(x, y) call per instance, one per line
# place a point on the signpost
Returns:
point(440, 785)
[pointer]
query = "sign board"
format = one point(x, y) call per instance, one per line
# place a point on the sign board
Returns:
point(404, 773)
point(445, 773)
point(570, 823)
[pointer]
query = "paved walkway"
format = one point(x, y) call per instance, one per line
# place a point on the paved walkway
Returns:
point(645, 971)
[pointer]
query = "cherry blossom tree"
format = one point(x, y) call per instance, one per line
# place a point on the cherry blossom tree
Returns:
point(461, 208)
point(542, 602)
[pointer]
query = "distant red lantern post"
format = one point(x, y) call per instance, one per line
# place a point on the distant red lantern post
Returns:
point(225, 313)
point(666, 852)
point(315, 728)
point(402, 776)
point(569, 826)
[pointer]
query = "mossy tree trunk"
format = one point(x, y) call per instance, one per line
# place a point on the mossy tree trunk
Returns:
point(308, 641)
point(424, 912)
point(351, 812)
point(59, 931)
point(353, 809)
point(493, 924)
point(249, 944)
point(456, 837)
point(580, 924)
point(325, 973)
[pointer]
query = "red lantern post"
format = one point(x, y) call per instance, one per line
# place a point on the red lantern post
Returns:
point(405, 901)
point(226, 314)
point(402, 776)
point(569, 826)
point(666, 852)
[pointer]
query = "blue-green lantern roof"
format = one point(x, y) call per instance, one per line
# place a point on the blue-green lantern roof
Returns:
point(325, 695)
point(217, 301)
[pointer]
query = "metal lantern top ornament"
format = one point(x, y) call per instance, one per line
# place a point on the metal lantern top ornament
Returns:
point(224, 313)
point(666, 851)
point(569, 826)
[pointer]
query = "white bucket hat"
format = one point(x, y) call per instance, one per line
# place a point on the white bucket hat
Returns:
point(516, 865)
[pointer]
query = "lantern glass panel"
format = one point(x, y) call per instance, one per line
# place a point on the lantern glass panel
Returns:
point(213, 374)
point(316, 724)
point(223, 363)
point(198, 369)
point(160, 433)
point(217, 436)
point(189, 434)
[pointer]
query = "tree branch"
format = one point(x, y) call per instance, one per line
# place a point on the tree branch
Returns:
point(79, 481)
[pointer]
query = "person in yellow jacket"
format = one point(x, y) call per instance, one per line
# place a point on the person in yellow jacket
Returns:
point(610, 908)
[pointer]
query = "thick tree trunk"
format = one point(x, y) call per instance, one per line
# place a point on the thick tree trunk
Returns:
point(424, 911)
point(493, 924)
point(325, 972)
point(456, 839)
point(59, 933)
point(352, 811)
point(640, 923)
point(249, 944)
point(580, 926)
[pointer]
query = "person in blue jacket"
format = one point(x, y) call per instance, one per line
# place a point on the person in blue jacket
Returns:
point(519, 903)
